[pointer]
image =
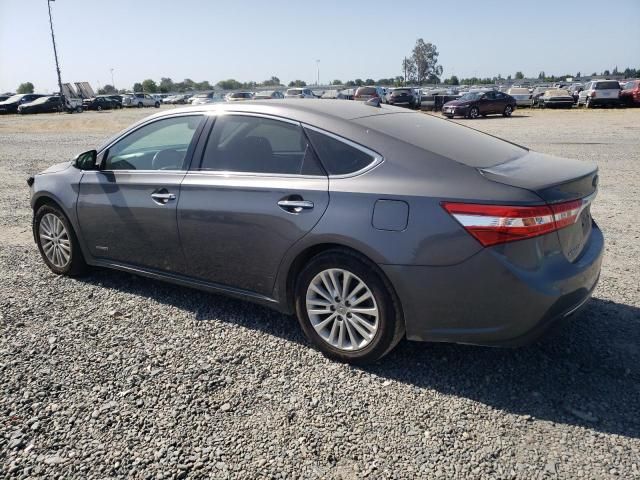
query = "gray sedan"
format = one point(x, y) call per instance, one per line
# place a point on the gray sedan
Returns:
point(370, 223)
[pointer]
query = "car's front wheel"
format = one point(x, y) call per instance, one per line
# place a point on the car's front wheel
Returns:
point(474, 112)
point(508, 110)
point(347, 309)
point(57, 242)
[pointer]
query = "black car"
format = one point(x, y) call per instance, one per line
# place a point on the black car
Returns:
point(42, 105)
point(4, 97)
point(403, 97)
point(11, 104)
point(100, 103)
point(115, 98)
point(475, 104)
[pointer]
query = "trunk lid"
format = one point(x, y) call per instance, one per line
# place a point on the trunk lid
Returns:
point(556, 181)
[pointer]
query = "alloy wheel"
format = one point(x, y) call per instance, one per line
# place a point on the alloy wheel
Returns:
point(55, 240)
point(342, 309)
point(474, 113)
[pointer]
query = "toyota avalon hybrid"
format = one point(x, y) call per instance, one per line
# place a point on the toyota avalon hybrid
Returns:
point(369, 223)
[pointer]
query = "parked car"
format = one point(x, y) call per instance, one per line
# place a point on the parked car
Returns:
point(367, 93)
point(574, 91)
point(205, 98)
point(239, 96)
point(42, 105)
point(521, 95)
point(11, 104)
point(299, 93)
point(139, 100)
point(272, 94)
point(475, 104)
point(537, 93)
point(555, 98)
point(100, 103)
point(428, 97)
point(4, 97)
point(630, 94)
point(404, 97)
point(178, 99)
point(600, 92)
point(458, 271)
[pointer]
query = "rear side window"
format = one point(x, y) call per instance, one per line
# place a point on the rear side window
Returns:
point(248, 144)
point(607, 86)
point(337, 157)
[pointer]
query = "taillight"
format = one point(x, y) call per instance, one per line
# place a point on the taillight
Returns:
point(495, 224)
point(593, 94)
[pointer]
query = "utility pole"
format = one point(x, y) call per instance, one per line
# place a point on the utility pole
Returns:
point(113, 84)
point(55, 54)
point(318, 73)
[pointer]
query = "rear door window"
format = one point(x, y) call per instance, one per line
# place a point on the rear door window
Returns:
point(248, 144)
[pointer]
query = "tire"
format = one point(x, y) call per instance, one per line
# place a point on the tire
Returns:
point(79, 109)
point(157, 105)
point(49, 221)
point(366, 337)
point(508, 110)
point(140, 105)
point(587, 103)
point(99, 108)
point(474, 113)
point(449, 116)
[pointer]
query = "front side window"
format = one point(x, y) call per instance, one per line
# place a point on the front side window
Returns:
point(161, 145)
point(249, 144)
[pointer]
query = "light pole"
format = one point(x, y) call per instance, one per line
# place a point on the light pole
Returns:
point(318, 73)
point(55, 54)
point(113, 84)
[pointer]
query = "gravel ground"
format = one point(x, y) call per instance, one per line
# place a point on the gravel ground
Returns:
point(114, 376)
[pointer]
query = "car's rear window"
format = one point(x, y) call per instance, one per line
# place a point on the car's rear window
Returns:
point(607, 86)
point(366, 91)
point(444, 138)
point(402, 91)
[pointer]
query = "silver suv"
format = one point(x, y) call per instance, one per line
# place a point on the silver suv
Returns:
point(600, 92)
point(299, 93)
point(140, 100)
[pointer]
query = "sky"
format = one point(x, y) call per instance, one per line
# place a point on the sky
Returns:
point(250, 40)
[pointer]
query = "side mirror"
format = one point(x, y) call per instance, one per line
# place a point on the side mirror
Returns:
point(86, 160)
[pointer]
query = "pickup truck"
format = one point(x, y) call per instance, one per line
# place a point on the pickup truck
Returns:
point(139, 100)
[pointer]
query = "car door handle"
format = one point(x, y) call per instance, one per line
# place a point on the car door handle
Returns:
point(295, 206)
point(163, 197)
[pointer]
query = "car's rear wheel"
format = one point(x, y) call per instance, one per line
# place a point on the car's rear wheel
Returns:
point(57, 242)
point(140, 105)
point(508, 110)
point(587, 103)
point(474, 112)
point(347, 309)
point(157, 104)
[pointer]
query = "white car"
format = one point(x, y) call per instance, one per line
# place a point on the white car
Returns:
point(522, 96)
point(139, 100)
point(600, 92)
point(205, 98)
point(299, 93)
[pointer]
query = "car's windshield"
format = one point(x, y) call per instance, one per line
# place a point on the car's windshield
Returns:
point(43, 100)
point(14, 98)
point(471, 96)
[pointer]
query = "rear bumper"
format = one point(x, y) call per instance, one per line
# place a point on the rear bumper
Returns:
point(505, 297)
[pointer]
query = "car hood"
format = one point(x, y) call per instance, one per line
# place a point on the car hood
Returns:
point(58, 167)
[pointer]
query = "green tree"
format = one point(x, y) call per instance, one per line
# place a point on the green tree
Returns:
point(425, 58)
point(358, 82)
point(137, 87)
point(26, 87)
point(350, 83)
point(229, 84)
point(606, 73)
point(298, 83)
point(107, 90)
point(336, 82)
point(205, 85)
point(166, 85)
point(272, 82)
point(578, 75)
point(369, 81)
point(519, 75)
point(149, 86)
point(454, 80)
point(409, 70)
